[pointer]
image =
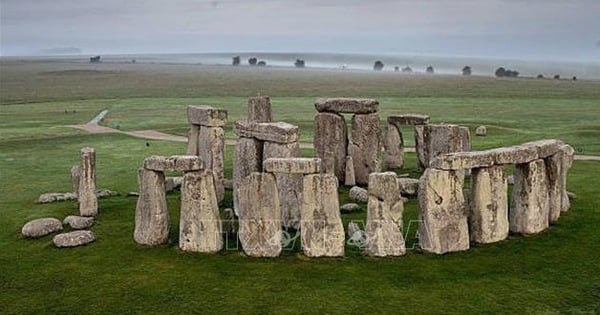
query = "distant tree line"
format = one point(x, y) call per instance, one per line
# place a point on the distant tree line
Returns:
point(501, 72)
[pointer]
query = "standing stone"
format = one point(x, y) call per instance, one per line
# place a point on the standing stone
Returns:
point(192, 144)
point(443, 224)
point(554, 172)
point(394, 147)
point(420, 145)
point(568, 156)
point(259, 109)
point(75, 177)
point(465, 139)
point(88, 202)
point(211, 149)
point(366, 146)
point(529, 210)
point(151, 214)
point(288, 185)
point(331, 143)
point(322, 231)
point(440, 139)
point(247, 159)
point(488, 205)
point(199, 224)
point(350, 179)
point(260, 216)
point(384, 216)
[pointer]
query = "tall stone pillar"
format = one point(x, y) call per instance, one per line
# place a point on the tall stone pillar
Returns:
point(88, 202)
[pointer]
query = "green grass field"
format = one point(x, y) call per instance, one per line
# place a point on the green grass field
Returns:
point(556, 271)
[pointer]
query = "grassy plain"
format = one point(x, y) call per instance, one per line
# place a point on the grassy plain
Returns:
point(554, 272)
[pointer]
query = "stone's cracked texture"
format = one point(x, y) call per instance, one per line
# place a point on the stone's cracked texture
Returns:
point(347, 105)
point(408, 119)
point(247, 159)
point(86, 194)
point(366, 146)
point(259, 109)
point(192, 144)
point(420, 145)
point(331, 143)
point(78, 223)
point(292, 165)
point(488, 205)
point(260, 216)
point(151, 214)
point(465, 139)
point(75, 177)
point(394, 147)
point(443, 224)
point(321, 229)
point(73, 239)
point(278, 132)
point(211, 149)
point(384, 216)
point(463, 160)
point(41, 227)
point(181, 163)
point(199, 224)
point(206, 116)
point(529, 211)
point(438, 140)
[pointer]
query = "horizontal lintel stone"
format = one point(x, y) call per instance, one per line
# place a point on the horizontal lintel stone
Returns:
point(292, 165)
point(408, 119)
point(347, 105)
point(184, 163)
point(206, 116)
point(278, 132)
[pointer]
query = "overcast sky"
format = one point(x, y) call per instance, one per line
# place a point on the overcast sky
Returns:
point(522, 29)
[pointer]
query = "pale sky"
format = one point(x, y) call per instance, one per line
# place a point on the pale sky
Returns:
point(522, 29)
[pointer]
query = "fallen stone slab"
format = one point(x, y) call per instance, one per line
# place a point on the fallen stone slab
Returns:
point(408, 119)
point(347, 105)
point(41, 227)
point(358, 194)
point(292, 165)
point(52, 197)
point(349, 208)
point(408, 186)
point(78, 223)
point(278, 132)
point(259, 109)
point(182, 163)
point(73, 239)
point(207, 116)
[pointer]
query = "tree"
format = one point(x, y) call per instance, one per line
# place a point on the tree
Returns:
point(511, 73)
point(557, 77)
point(429, 70)
point(466, 70)
point(252, 61)
point(299, 63)
point(262, 63)
point(236, 61)
point(378, 66)
point(396, 68)
point(574, 78)
point(500, 72)
point(407, 69)
point(540, 76)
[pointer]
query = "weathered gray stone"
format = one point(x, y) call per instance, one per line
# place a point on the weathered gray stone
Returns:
point(394, 147)
point(408, 119)
point(52, 197)
point(260, 216)
point(443, 224)
point(199, 224)
point(248, 158)
point(292, 165)
point(259, 109)
point(78, 223)
point(481, 131)
point(73, 239)
point(173, 183)
point(151, 214)
point(518, 154)
point(88, 202)
point(322, 231)
point(358, 194)
point(278, 132)
point(41, 227)
point(347, 105)
point(192, 144)
point(488, 205)
point(420, 145)
point(464, 160)
point(408, 186)
point(181, 163)
point(568, 156)
point(353, 229)
point(465, 139)
point(440, 139)
point(510, 179)
point(207, 116)
point(349, 178)
point(545, 148)
point(529, 211)
point(228, 221)
point(554, 165)
point(331, 143)
point(288, 185)
point(228, 184)
point(75, 177)
point(349, 207)
point(100, 193)
point(384, 216)
point(366, 146)
point(211, 149)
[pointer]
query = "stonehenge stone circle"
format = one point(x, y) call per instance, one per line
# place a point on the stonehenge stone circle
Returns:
point(88, 202)
point(151, 214)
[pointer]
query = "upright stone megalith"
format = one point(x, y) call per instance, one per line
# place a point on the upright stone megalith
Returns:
point(331, 143)
point(384, 216)
point(440, 139)
point(529, 211)
point(322, 231)
point(443, 223)
point(151, 214)
point(260, 216)
point(88, 202)
point(259, 109)
point(199, 224)
point(488, 205)
point(246, 160)
point(366, 146)
point(394, 148)
point(211, 149)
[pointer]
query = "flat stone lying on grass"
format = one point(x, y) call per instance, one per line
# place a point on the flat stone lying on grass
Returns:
point(481, 131)
point(52, 197)
point(347, 105)
point(78, 223)
point(41, 227)
point(292, 165)
point(183, 163)
point(73, 239)
point(278, 132)
point(358, 194)
point(408, 186)
point(349, 207)
point(206, 116)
